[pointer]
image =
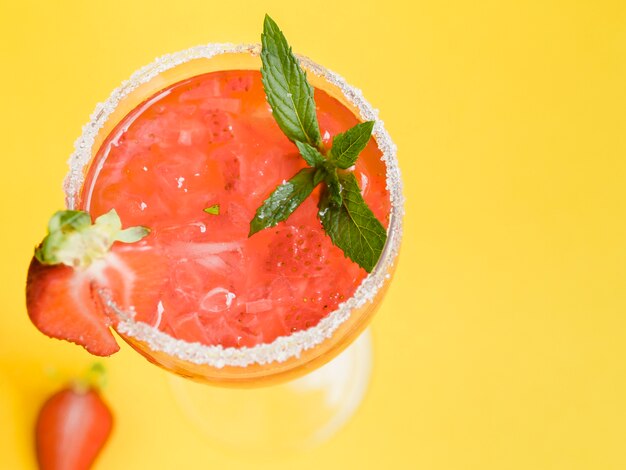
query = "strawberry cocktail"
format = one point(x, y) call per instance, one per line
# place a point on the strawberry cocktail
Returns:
point(233, 225)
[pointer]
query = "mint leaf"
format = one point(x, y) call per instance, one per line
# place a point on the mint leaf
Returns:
point(284, 200)
point(310, 154)
point(213, 210)
point(286, 87)
point(352, 226)
point(347, 146)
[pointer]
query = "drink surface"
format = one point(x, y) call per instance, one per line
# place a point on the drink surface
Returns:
point(211, 140)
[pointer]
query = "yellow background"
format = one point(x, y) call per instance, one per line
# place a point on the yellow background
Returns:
point(502, 341)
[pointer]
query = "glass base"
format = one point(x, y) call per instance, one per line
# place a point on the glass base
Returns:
point(293, 416)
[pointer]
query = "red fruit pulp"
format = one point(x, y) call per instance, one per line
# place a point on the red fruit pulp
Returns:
point(211, 139)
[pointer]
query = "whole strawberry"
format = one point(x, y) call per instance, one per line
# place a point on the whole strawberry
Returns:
point(73, 425)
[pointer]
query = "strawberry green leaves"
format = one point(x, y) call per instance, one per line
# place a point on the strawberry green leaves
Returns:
point(345, 216)
point(287, 89)
point(74, 241)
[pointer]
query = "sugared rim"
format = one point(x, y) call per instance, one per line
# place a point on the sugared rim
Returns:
point(284, 347)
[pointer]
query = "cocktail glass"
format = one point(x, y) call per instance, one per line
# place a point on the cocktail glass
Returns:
point(308, 391)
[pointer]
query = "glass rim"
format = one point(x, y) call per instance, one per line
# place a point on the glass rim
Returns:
point(282, 348)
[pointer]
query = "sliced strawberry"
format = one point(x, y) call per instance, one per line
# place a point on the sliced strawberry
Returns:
point(65, 303)
point(219, 124)
point(307, 289)
point(134, 277)
point(76, 263)
point(300, 318)
point(61, 304)
point(297, 252)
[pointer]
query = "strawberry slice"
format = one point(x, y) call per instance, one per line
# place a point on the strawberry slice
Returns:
point(219, 124)
point(297, 252)
point(74, 263)
point(134, 276)
point(61, 304)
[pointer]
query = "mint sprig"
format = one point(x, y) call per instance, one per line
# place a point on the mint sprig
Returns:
point(344, 215)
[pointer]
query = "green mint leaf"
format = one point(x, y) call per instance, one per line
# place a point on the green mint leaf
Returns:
point(284, 200)
point(213, 210)
point(347, 146)
point(352, 226)
point(310, 154)
point(286, 87)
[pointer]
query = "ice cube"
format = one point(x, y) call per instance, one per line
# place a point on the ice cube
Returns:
point(217, 299)
point(188, 327)
point(203, 250)
point(281, 290)
point(208, 89)
point(229, 105)
point(257, 306)
point(214, 263)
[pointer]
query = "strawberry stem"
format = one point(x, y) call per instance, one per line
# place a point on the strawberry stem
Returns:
point(75, 241)
point(94, 378)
